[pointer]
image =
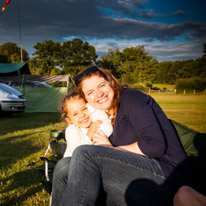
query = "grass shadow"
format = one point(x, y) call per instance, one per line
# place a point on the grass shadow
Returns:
point(24, 184)
point(22, 121)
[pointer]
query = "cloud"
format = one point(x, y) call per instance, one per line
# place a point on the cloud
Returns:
point(122, 7)
point(150, 13)
point(179, 51)
point(164, 51)
point(180, 13)
point(86, 19)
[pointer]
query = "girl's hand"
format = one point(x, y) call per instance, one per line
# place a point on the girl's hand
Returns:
point(100, 138)
point(93, 128)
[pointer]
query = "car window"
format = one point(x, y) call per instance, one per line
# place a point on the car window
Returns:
point(37, 84)
point(28, 84)
point(15, 84)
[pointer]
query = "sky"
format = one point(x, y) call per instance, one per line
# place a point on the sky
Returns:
point(170, 30)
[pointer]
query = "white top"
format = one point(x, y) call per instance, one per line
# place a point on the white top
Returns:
point(75, 137)
point(97, 114)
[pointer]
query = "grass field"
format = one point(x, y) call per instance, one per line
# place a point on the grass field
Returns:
point(189, 110)
point(161, 86)
point(24, 138)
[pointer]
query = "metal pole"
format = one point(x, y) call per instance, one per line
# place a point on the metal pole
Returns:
point(19, 31)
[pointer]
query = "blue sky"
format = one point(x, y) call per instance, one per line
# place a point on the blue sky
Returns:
point(170, 30)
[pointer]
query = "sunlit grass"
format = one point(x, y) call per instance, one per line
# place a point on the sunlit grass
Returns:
point(161, 86)
point(24, 138)
point(189, 110)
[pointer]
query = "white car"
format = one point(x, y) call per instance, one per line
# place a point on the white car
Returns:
point(11, 100)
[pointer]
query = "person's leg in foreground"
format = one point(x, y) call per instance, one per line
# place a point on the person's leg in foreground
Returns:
point(59, 182)
point(128, 179)
point(187, 196)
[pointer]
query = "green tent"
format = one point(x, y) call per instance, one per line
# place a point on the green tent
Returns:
point(14, 69)
point(194, 144)
point(42, 99)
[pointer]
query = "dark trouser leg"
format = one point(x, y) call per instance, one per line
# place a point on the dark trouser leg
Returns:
point(60, 177)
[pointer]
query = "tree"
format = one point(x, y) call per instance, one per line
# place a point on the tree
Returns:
point(110, 61)
point(162, 74)
point(204, 51)
point(200, 67)
point(11, 53)
point(67, 58)
point(47, 57)
point(76, 54)
point(133, 65)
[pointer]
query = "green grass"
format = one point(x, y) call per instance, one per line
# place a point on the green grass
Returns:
point(189, 110)
point(24, 138)
point(161, 86)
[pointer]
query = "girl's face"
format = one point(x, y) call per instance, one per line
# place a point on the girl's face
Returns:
point(77, 113)
point(98, 92)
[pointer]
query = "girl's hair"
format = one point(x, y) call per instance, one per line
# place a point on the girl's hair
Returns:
point(71, 96)
point(94, 70)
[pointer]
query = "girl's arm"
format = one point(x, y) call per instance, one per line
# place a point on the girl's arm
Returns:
point(93, 128)
point(73, 138)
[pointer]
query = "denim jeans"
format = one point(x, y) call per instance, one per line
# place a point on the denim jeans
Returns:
point(127, 178)
point(59, 183)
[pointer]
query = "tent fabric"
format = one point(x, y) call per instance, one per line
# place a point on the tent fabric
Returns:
point(41, 78)
point(44, 99)
point(14, 69)
point(194, 144)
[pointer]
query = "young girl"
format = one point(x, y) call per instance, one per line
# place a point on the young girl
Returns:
point(81, 127)
point(83, 122)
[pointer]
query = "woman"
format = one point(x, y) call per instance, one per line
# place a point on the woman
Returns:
point(142, 163)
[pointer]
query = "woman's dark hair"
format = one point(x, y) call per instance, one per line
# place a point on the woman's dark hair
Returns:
point(94, 70)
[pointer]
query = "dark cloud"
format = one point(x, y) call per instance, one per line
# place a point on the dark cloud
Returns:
point(58, 20)
point(148, 14)
point(123, 7)
point(112, 44)
point(168, 52)
point(180, 13)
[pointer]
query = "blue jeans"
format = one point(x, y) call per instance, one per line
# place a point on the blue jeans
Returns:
point(59, 183)
point(127, 178)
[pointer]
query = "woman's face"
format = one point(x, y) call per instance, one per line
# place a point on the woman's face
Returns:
point(98, 92)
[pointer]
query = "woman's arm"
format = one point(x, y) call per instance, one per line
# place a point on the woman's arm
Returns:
point(101, 139)
point(143, 119)
point(132, 148)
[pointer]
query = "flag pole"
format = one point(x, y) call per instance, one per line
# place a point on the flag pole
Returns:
point(19, 31)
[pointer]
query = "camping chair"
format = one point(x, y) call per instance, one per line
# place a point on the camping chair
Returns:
point(56, 146)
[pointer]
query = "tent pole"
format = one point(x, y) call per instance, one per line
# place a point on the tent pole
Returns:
point(20, 32)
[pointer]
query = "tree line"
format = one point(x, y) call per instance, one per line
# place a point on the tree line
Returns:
point(132, 65)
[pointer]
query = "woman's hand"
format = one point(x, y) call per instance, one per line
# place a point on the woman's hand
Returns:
point(93, 128)
point(100, 138)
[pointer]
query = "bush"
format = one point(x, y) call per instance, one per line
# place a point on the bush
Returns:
point(139, 87)
point(196, 83)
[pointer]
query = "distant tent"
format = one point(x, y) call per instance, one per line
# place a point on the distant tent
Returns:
point(14, 69)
